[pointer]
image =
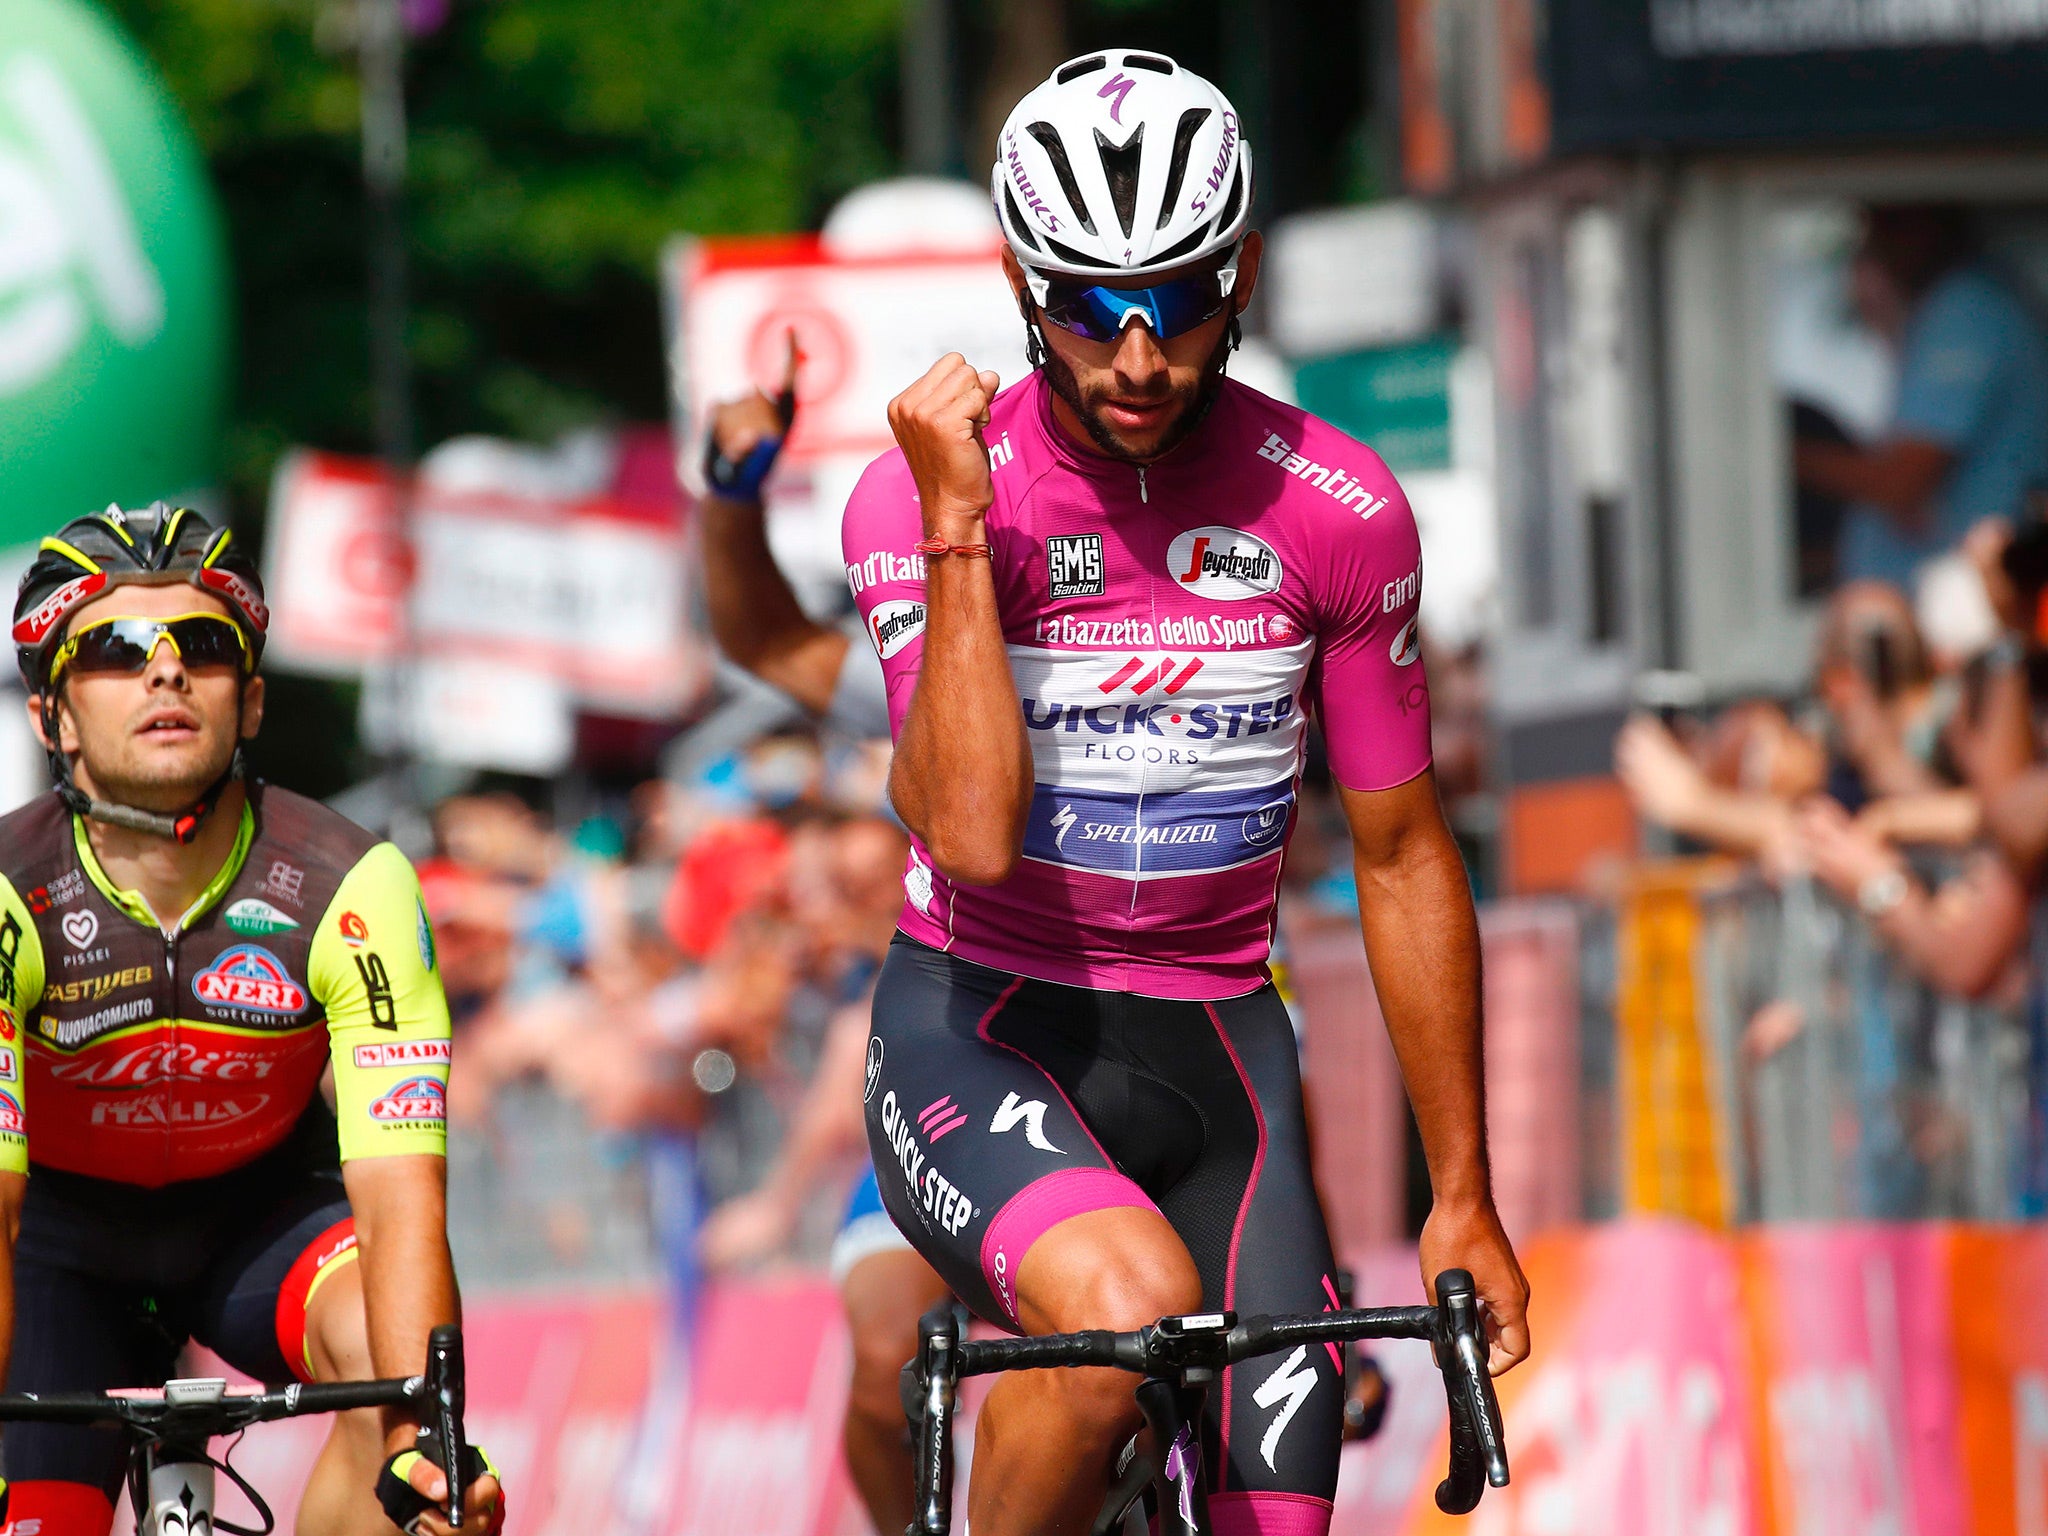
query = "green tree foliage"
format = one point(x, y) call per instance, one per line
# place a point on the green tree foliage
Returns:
point(555, 145)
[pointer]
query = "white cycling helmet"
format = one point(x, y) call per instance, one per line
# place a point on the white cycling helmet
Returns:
point(1121, 165)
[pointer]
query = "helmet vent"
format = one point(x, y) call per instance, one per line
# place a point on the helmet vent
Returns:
point(1074, 258)
point(1056, 150)
point(1177, 167)
point(1078, 68)
point(1181, 248)
point(1120, 165)
point(1016, 219)
point(1151, 61)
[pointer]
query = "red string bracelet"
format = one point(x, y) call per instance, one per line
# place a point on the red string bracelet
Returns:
point(941, 547)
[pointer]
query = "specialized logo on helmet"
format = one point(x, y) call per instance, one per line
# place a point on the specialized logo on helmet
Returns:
point(1200, 202)
point(249, 976)
point(1120, 85)
point(36, 626)
point(1023, 183)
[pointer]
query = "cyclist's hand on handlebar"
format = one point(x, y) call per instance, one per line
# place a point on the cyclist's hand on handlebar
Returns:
point(483, 1501)
point(938, 423)
point(1471, 1238)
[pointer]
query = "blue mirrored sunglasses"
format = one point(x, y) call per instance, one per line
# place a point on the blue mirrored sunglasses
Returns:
point(1099, 313)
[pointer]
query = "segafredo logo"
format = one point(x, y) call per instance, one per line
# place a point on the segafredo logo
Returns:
point(893, 625)
point(249, 976)
point(1223, 563)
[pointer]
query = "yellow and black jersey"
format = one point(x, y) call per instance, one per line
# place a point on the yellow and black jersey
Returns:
point(149, 1053)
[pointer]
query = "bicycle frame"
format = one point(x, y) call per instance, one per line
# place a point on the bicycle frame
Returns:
point(171, 1480)
point(1177, 1358)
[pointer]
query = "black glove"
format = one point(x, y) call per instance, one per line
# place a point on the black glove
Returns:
point(404, 1504)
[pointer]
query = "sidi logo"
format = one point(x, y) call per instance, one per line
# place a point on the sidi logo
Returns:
point(68, 245)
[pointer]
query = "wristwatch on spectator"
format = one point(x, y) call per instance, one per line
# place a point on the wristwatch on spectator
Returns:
point(1881, 892)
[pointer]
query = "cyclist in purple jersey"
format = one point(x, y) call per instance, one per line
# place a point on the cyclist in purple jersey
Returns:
point(1106, 602)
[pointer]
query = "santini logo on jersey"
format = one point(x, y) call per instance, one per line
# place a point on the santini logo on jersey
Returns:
point(893, 625)
point(249, 976)
point(1226, 564)
point(1326, 478)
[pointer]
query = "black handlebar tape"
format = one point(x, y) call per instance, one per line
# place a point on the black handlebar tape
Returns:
point(1264, 1335)
point(1090, 1347)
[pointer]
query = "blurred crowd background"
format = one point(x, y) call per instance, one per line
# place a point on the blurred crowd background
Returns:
point(1707, 338)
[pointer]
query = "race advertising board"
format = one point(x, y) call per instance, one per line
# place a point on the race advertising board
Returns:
point(584, 591)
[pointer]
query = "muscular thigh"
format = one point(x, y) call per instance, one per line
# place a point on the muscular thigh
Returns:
point(1201, 1103)
point(977, 1149)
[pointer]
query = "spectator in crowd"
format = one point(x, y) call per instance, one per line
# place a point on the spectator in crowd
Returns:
point(1885, 766)
point(1969, 432)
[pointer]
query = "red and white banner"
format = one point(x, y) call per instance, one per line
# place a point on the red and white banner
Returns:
point(586, 592)
point(865, 327)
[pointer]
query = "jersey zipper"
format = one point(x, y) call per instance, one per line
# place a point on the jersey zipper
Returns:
point(1143, 495)
point(170, 1061)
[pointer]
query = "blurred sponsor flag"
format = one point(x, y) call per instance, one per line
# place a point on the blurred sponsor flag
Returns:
point(521, 596)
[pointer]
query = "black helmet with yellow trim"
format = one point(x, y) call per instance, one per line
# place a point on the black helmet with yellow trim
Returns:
point(155, 546)
point(159, 545)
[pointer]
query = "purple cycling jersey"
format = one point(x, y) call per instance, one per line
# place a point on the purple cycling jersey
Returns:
point(1169, 630)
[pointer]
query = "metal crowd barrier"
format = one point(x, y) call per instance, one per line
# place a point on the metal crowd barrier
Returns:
point(1889, 1100)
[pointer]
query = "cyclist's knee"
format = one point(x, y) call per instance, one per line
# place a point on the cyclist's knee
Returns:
point(58, 1508)
point(1119, 1269)
point(337, 1334)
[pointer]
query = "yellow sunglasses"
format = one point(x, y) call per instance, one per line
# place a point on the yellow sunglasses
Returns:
point(125, 643)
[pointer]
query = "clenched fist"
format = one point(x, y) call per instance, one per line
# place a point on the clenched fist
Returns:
point(938, 422)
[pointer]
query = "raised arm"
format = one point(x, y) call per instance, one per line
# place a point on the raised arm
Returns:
point(961, 779)
point(755, 617)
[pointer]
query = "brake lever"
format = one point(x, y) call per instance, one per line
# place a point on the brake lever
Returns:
point(447, 1392)
point(1478, 1449)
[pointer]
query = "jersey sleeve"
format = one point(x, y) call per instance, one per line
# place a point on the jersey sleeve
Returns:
point(372, 966)
point(1369, 691)
point(886, 573)
point(21, 988)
